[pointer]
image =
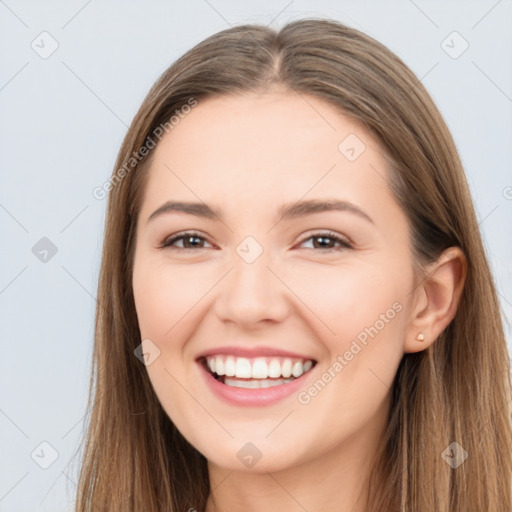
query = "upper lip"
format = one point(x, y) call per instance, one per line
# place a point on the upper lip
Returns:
point(252, 352)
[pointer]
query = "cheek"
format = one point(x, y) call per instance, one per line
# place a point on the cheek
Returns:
point(362, 309)
point(348, 298)
point(164, 300)
point(164, 294)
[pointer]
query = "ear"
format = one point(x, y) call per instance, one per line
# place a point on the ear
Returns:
point(436, 300)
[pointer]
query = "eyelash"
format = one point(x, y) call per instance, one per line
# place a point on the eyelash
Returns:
point(345, 244)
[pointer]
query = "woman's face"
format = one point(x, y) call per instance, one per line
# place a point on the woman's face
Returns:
point(299, 267)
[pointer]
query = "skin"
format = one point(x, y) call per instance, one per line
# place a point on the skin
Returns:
point(297, 295)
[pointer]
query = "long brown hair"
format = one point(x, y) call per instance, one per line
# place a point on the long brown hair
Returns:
point(458, 390)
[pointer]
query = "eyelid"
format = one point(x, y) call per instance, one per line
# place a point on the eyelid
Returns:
point(178, 236)
point(345, 242)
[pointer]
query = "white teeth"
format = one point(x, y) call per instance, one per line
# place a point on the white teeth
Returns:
point(230, 366)
point(219, 366)
point(297, 369)
point(259, 369)
point(274, 369)
point(286, 368)
point(243, 368)
point(254, 384)
point(242, 383)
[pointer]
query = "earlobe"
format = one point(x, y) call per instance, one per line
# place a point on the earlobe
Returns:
point(437, 299)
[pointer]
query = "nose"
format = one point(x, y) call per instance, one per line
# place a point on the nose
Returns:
point(252, 294)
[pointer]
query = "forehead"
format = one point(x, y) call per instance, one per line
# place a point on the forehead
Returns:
point(255, 150)
point(272, 128)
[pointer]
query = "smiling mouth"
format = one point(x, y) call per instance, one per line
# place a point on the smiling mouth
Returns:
point(259, 372)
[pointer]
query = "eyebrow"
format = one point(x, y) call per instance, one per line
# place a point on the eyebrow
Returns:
point(286, 212)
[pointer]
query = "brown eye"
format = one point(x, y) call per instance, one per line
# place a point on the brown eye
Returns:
point(190, 240)
point(327, 241)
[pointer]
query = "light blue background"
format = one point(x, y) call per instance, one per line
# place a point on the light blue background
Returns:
point(62, 120)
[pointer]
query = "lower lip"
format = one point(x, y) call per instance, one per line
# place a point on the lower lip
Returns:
point(252, 396)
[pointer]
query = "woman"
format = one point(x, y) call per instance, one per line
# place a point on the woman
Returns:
point(295, 308)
